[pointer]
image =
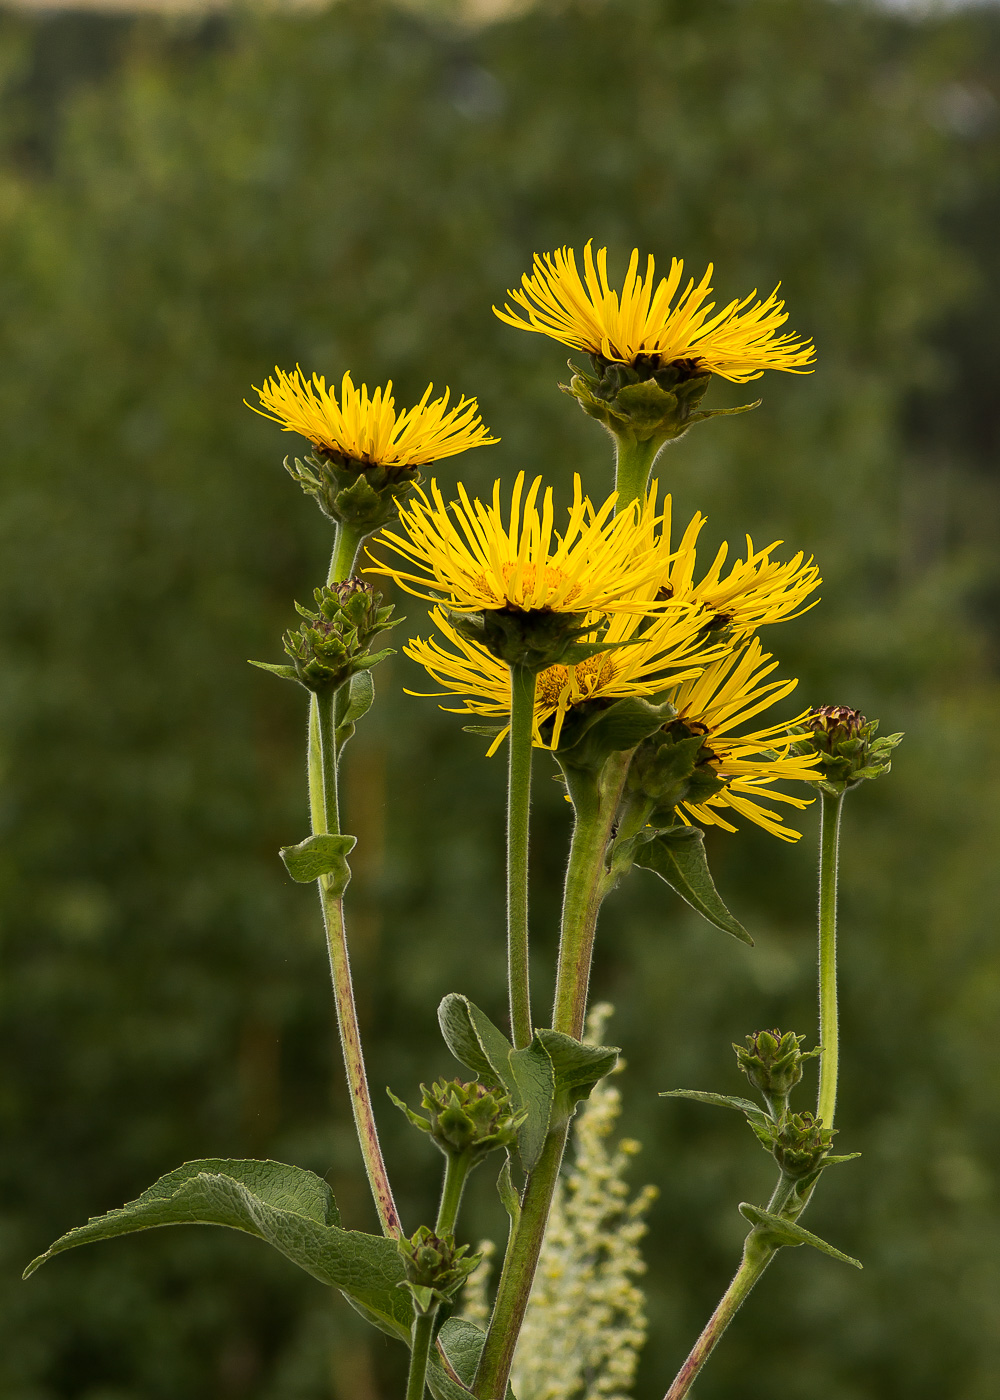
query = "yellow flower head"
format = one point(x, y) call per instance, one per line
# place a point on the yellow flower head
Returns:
point(728, 693)
point(656, 319)
point(465, 556)
point(665, 650)
point(366, 428)
point(753, 592)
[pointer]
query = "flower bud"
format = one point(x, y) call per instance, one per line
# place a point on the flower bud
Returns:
point(772, 1062)
point(801, 1144)
point(435, 1268)
point(332, 643)
point(465, 1118)
point(648, 400)
point(849, 751)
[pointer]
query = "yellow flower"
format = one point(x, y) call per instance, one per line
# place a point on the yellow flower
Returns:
point(366, 428)
point(664, 651)
point(660, 320)
point(465, 556)
point(728, 693)
point(755, 591)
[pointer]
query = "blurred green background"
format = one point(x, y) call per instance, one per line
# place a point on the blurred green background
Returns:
point(184, 204)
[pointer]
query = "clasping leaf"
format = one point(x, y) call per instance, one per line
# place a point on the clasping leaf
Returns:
point(322, 854)
point(786, 1232)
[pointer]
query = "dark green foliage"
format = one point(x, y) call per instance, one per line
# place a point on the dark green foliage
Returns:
point(182, 207)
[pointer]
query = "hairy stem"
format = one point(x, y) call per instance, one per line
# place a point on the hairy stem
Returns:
point(325, 812)
point(345, 554)
point(595, 802)
point(420, 1350)
point(457, 1168)
point(633, 464)
point(756, 1257)
point(522, 712)
point(520, 1261)
point(340, 970)
point(757, 1253)
point(829, 1035)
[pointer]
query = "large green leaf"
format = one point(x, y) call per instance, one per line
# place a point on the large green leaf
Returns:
point(461, 1343)
point(786, 1232)
point(678, 857)
point(288, 1207)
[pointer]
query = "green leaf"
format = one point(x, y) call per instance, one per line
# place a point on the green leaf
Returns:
point(576, 1067)
point(786, 1232)
point(459, 1028)
point(526, 1074)
point(590, 735)
point(755, 1115)
point(287, 673)
point(485, 731)
point(531, 1085)
point(509, 1198)
point(678, 857)
point(289, 1208)
point(361, 694)
point(553, 1069)
point(322, 854)
point(462, 1344)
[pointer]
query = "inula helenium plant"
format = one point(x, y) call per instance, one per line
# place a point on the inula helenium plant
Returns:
point(591, 631)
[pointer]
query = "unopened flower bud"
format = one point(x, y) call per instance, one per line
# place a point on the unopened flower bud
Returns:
point(469, 1119)
point(435, 1268)
point(772, 1061)
point(801, 1144)
point(332, 643)
point(849, 752)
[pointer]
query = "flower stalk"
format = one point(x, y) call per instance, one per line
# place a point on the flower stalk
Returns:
point(325, 813)
point(759, 1250)
point(420, 1351)
point(829, 1037)
point(633, 463)
point(522, 710)
point(596, 804)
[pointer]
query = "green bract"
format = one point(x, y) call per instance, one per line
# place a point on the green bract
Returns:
point(646, 401)
point(361, 496)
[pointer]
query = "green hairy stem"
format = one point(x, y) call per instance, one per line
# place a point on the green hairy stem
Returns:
point(423, 1335)
point(324, 808)
point(522, 713)
point(633, 464)
point(758, 1252)
point(456, 1173)
point(596, 804)
point(345, 555)
point(829, 1036)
